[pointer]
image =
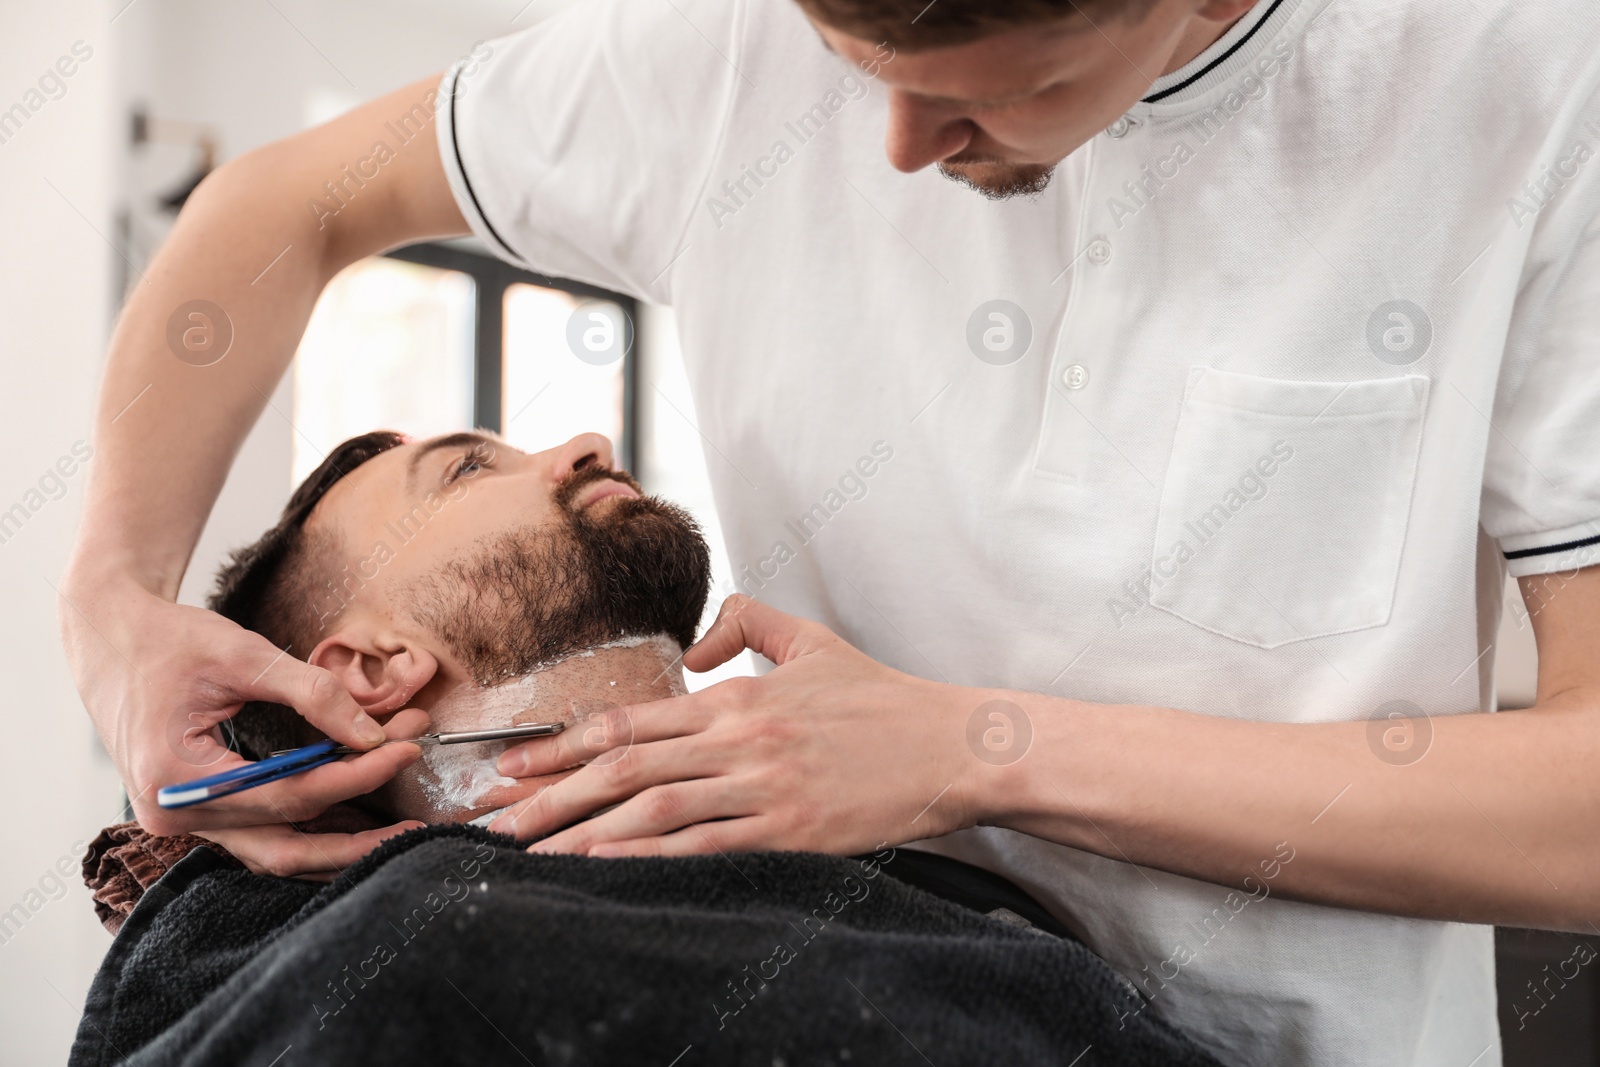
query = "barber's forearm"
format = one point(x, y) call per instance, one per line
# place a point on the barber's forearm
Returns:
point(167, 427)
point(166, 430)
point(1494, 824)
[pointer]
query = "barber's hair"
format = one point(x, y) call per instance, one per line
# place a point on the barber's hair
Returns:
point(272, 586)
point(916, 24)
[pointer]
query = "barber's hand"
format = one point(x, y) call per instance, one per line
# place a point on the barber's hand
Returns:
point(830, 752)
point(291, 853)
point(317, 853)
point(158, 678)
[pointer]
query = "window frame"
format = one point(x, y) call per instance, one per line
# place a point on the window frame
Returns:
point(491, 278)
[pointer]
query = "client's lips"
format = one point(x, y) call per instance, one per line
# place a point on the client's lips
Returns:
point(601, 491)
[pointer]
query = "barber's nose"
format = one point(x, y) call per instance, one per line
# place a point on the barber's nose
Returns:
point(584, 450)
point(921, 133)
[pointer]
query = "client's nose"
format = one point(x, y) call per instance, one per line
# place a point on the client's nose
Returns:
point(584, 450)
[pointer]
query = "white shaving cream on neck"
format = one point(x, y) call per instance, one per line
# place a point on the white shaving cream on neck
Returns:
point(460, 776)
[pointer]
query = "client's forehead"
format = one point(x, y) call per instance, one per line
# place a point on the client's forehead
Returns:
point(394, 478)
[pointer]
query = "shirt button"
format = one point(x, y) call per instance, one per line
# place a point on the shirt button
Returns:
point(1075, 376)
point(1119, 129)
point(1099, 251)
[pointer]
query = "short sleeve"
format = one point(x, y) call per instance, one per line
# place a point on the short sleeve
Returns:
point(579, 147)
point(1541, 490)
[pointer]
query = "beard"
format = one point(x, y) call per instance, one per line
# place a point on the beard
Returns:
point(1000, 181)
point(527, 596)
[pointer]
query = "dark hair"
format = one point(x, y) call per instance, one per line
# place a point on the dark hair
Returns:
point(268, 587)
point(917, 24)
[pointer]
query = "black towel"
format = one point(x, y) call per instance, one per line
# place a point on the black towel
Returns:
point(451, 945)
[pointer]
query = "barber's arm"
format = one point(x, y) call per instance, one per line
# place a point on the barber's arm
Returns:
point(158, 677)
point(834, 752)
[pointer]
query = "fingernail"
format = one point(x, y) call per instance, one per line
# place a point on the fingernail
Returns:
point(512, 763)
point(501, 825)
point(369, 731)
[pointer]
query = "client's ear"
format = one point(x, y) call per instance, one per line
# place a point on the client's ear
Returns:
point(381, 672)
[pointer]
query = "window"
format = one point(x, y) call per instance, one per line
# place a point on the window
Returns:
point(390, 345)
point(546, 395)
point(433, 337)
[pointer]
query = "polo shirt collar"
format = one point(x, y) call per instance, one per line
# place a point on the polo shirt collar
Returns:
point(1230, 54)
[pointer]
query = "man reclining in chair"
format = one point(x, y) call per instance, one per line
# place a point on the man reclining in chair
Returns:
point(457, 583)
point(485, 586)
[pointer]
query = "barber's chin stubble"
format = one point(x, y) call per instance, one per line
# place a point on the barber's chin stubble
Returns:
point(1023, 179)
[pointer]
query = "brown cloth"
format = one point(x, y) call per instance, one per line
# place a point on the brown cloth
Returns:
point(125, 860)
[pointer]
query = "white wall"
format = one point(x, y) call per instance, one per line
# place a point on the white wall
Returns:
point(56, 788)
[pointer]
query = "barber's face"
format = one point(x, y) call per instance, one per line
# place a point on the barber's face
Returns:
point(999, 113)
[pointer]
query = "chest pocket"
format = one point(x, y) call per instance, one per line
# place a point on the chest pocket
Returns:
point(1285, 505)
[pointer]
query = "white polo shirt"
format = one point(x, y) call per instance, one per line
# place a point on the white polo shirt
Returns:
point(1247, 414)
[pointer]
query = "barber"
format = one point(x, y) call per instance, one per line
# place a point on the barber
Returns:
point(1204, 366)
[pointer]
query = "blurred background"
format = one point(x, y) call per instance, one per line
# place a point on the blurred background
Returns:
point(93, 165)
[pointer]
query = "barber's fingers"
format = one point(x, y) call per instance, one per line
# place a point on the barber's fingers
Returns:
point(289, 853)
point(313, 692)
point(604, 782)
point(744, 622)
point(304, 796)
point(606, 734)
point(184, 674)
point(750, 834)
point(307, 795)
point(658, 810)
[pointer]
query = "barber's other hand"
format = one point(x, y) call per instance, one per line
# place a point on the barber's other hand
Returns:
point(830, 752)
point(158, 678)
point(290, 853)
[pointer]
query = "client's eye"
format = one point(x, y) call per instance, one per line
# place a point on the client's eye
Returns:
point(471, 463)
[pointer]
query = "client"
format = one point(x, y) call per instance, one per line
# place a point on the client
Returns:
point(487, 587)
point(484, 585)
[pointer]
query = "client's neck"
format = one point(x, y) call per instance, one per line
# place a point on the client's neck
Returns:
point(455, 783)
point(572, 688)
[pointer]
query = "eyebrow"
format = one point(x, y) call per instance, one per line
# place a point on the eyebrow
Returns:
point(428, 448)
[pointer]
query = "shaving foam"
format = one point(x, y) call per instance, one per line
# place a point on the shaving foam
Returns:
point(460, 776)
